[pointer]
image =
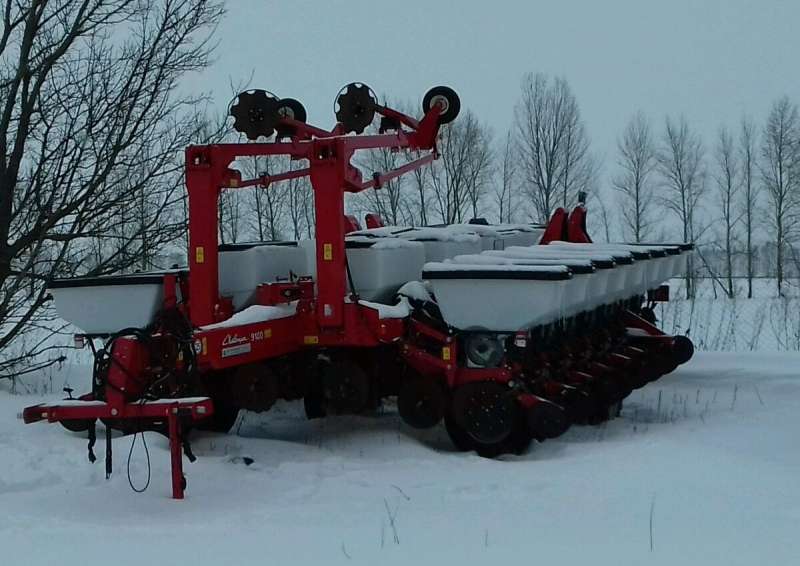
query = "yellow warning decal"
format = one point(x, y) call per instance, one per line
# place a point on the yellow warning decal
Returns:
point(199, 254)
point(446, 353)
point(268, 333)
point(310, 339)
point(327, 252)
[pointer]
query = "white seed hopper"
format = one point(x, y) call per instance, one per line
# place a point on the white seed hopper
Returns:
point(381, 266)
point(678, 255)
point(664, 262)
point(498, 297)
point(620, 279)
point(583, 291)
point(104, 305)
point(441, 244)
point(242, 267)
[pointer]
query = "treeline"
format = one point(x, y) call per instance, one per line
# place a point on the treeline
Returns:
point(735, 195)
point(93, 127)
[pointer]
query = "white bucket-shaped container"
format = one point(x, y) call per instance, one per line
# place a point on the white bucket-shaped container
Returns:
point(677, 256)
point(654, 257)
point(490, 238)
point(579, 289)
point(441, 244)
point(518, 237)
point(244, 266)
point(502, 298)
point(520, 234)
point(380, 267)
point(104, 305)
point(636, 263)
point(611, 277)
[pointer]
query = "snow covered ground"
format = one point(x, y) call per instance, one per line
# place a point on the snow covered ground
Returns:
point(710, 453)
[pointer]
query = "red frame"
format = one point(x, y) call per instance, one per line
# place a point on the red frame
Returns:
point(324, 320)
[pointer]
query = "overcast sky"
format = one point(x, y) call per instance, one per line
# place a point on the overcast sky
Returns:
point(711, 60)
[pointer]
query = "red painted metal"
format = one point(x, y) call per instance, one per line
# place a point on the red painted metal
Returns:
point(351, 224)
point(556, 228)
point(374, 220)
point(326, 319)
point(176, 454)
point(576, 226)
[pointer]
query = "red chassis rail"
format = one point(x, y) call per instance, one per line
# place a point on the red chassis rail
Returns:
point(332, 175)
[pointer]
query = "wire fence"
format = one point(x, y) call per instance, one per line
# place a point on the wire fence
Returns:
point(715, 322)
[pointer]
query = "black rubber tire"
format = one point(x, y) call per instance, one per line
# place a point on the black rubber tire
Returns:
point(314, 405)
point(516, 442)
point(346, 386)
point(453, 103)
point(81, 425)
point(422, 401)
point(458, 436)
point(294, 107)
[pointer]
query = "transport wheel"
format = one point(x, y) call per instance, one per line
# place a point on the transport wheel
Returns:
point(422, 400)
point(484, 417)
point(516, 442)
point(458, 436)
point(289, 108)
point(346, 387)
point(81, 425)
point(448, 101)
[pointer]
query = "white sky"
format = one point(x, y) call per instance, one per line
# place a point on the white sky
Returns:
point(711, 60)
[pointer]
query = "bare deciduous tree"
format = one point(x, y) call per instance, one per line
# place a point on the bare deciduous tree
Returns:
point(681, 165)
point(552, 145)
point(90, 120)
point(505, 196)
point(459, 179)
point(780, 172)
point(750, 193)
point(637, 160)
point(727, 183)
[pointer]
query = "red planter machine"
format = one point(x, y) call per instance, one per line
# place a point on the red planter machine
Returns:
point(195, 366)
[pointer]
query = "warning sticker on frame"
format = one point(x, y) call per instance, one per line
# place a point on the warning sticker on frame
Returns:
point(231, 351)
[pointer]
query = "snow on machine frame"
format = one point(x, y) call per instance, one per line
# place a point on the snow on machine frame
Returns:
point(249, 324)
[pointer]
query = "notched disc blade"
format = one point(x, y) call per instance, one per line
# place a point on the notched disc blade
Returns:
point(356, 107)
point(255, 114)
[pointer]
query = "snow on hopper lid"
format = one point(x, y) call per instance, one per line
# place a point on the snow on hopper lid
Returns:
point(499, 258)
point(481, 229)
point(382, 232)
point(441, 270)
point(575, 265)
point(439, 235)
point(552, 253)
point(517, 227)
point(382, 243)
